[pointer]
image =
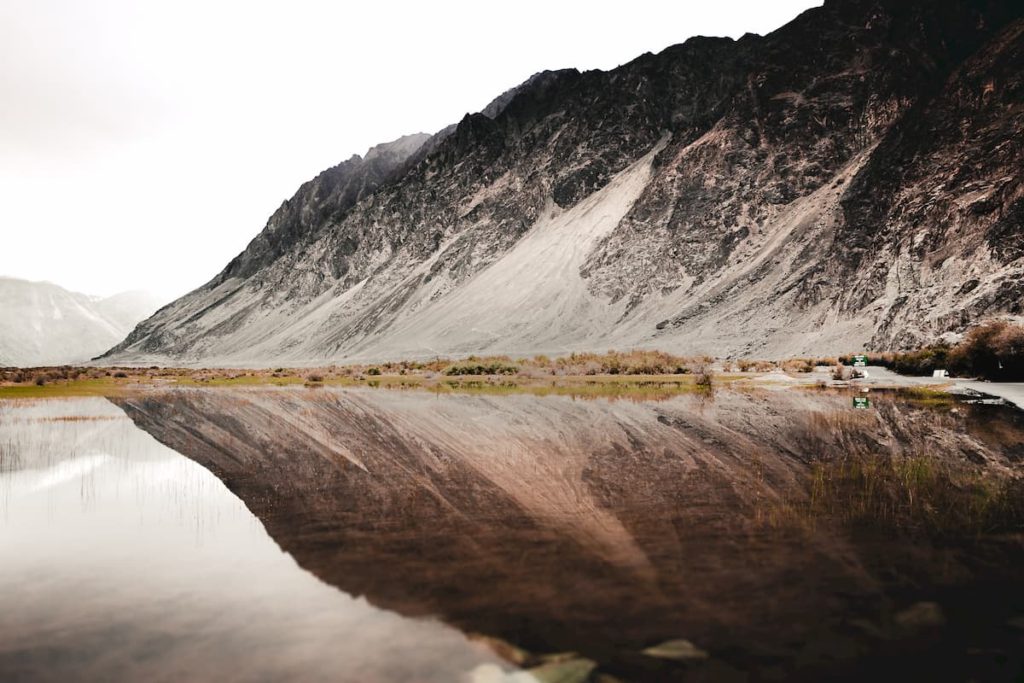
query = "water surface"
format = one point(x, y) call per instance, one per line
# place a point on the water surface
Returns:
point(475, 538)
point(123, 560)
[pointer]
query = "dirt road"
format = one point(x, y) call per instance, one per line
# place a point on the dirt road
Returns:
point(1012, 392)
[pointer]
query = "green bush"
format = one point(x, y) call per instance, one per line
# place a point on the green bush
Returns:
point(923, 361)
point(495, 368)
point(993, 350)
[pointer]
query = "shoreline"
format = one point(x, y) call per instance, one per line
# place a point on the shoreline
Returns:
point(634, 386)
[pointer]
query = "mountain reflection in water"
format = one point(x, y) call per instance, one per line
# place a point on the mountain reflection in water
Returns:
point(544, 525)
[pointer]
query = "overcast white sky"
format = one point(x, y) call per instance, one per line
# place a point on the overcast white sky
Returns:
point(143, 144)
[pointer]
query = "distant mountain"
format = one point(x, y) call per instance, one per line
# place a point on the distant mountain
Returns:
point(43, 324)
point(854, 179)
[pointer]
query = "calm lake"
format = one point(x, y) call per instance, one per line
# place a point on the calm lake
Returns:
point(299, 534)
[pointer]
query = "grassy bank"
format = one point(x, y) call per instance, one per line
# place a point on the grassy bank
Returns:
point(638, 373)
point(610, 374)
point(637, 387)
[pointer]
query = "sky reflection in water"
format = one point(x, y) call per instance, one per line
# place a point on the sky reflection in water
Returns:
point(124, 560)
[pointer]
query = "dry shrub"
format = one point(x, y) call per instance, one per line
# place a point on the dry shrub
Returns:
point(636, 362)
point(994, 350)
point(798, 365)
point(916, 493)
point(703, 374)
point(750, 365)
point(842, 372)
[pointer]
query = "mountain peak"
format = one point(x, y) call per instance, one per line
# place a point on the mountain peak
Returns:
point(42, 323)
point(397, 151)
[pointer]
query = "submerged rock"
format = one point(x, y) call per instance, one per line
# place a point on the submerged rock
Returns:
point(504, 649)
point(568, 671)
point(575, 670)
point(679, 649)
point(920, 616)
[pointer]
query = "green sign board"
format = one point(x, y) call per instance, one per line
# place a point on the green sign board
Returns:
point(860, 361)
point(861, 402)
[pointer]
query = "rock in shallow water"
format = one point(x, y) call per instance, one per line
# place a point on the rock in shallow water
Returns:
point(680, 649)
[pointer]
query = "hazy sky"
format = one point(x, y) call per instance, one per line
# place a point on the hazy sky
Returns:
point(143, 144)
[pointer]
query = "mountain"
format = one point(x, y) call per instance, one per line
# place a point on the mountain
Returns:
point(850, 180)
point(43, 324)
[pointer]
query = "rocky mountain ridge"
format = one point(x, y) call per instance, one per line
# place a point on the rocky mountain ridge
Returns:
point(851, 180)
